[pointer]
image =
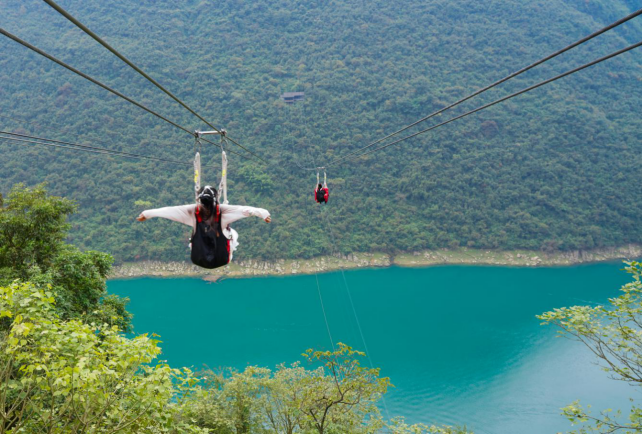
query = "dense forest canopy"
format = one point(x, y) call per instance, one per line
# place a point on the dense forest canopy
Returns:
point(555, 169)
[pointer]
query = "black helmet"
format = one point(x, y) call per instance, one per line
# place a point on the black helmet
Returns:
point(208, 195)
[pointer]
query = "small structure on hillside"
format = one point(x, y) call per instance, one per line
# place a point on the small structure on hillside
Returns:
point(292, 97)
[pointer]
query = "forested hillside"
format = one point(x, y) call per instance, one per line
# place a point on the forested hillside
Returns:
point(558, 168)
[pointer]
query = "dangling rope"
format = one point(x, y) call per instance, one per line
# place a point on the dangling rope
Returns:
point(321, 299)
point(350, 298)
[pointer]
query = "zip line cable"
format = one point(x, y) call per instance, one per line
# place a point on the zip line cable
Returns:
point(140, 71)
point(350, 155)
point(227, 150)
point(86, 148)
point(304, 125)
point(542, 83)
point(87, 77)
point(510, 76)
point(22, 121)
point(111, 151)
point(22, 141)
point(96, 151)
point(94, 141)
point(98, 83)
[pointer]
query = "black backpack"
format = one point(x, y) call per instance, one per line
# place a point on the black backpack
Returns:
point(210, 248)
point(320, 195)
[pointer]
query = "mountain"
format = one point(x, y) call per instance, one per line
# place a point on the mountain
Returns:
point(558, 168)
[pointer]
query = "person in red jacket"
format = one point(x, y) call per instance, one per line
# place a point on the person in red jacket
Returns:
point(321, 193)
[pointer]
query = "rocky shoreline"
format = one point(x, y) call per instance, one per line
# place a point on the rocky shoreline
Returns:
point(462, 256)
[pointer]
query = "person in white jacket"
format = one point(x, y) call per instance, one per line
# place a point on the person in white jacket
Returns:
point(210, 221)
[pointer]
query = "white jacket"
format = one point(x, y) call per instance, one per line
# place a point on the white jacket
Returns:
point(229, 214)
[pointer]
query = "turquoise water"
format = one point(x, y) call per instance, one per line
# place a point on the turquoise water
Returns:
point(460, 344)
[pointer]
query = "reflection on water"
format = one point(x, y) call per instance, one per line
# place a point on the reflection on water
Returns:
point(460, 344)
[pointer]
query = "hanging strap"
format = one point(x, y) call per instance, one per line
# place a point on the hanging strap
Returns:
point(317, 179)
point(223, 184)
point(197, 174)
point(324, 179)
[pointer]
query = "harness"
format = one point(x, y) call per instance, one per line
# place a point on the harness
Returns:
point(321, 194)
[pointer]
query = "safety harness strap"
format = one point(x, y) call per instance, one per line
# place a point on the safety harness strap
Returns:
point(197, 175)
point(223, 184)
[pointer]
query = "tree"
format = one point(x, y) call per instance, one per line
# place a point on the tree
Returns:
point(281, 404)
point(342, 392)
point(613, 335)
point(339, 396)
point(228, 402)
point(399, 426)
point(70, 377)
point(33, 228)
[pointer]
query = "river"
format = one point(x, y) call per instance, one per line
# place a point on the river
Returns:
point(461, 344)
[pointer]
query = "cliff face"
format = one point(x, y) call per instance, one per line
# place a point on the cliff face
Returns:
point(361, 260)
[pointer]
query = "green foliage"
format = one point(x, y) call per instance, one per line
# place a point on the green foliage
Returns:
point(33, 228)
point(343, 394)
point(68, 376)
point(555, 169)
point(339, 396)
point(399, 426)
point(614, 336)
point(142, 204)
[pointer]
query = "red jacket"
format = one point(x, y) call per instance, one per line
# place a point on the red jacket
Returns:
point(325, 195)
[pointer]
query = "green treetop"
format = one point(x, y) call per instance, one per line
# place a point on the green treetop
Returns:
point(33, 229)
point(613, 335)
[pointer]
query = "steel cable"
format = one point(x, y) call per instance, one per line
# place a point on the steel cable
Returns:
point(104, 86)
point(510, 76)
point(140, 71)
point(69, 145)
point(87, 77)
point(542, 83)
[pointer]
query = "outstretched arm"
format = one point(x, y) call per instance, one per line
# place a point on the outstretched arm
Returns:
point(232, 213)
point(182, 214)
